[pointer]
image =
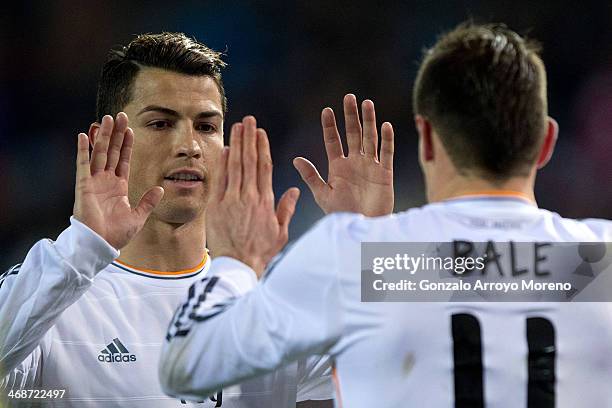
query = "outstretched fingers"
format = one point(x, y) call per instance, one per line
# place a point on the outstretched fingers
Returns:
point(219, 179)
point(285, 211)
point(249, 156)
point(147, 203)
point(234, 161)
point(311, 176)
point(99, 152)
point(264, 168)
point(370, 134)
point(331, 136)
point(116, 142)
point(123, 165)
point(387, 146)
point(83, 171)
point(352, 124)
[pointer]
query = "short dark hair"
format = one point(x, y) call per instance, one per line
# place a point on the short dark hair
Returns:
point(483, 88)
point(172, 51)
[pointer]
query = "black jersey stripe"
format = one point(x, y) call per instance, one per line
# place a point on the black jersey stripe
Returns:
point(175, 322)
point(13, 270)
point(10, 271)
point(213, 311)
point(191, 295)
point(209, 287)
point(175, 325)
point(180, 328)
point(3, 278)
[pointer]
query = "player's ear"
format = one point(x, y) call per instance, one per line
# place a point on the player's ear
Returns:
point(550, 139)
point(93, 132)
point(426, 149)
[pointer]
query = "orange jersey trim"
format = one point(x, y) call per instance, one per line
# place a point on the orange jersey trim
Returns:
point(336, 381)
point(166, 273)
point(495, 193)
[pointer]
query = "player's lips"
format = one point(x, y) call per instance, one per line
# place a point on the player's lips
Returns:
point(185, 177)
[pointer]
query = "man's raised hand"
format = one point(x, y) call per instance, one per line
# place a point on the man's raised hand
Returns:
point(241, 221)
point(362, 181)
point(101, 191)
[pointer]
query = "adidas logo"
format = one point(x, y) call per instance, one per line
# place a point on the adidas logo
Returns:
point(116, 352)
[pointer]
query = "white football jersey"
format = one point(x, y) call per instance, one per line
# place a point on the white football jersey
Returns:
point(73, 319)
point(405, 354)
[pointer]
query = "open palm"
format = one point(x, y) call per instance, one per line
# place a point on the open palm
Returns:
point(101, 192)
point(359, 182)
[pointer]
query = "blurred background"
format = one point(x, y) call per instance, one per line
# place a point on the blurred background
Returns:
point(286, 62)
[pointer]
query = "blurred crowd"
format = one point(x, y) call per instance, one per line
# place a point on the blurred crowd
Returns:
point(286, 62)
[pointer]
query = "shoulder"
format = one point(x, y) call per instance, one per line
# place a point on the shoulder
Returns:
point(598, 229)
point(359, 227)
point(569, 229)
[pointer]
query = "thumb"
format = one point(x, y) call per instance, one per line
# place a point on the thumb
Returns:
point(286, 208)
point(148, 202)
point(310, 175)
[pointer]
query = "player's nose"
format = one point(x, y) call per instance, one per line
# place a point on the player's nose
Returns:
point(187, 145)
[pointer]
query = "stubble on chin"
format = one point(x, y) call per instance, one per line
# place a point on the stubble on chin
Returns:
point(181, 210)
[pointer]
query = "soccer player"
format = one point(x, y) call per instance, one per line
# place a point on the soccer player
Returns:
point(481, 115)
point(79, 316)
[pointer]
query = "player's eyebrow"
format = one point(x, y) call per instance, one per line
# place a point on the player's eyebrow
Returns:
point(202, 115)
point(209, 114)
point(157, 108)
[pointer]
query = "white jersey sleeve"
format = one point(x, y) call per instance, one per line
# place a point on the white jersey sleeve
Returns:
point(34, 294)
point(293, 313)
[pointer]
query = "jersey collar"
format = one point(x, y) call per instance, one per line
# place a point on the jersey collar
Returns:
point(150, 273)
point(505, 195)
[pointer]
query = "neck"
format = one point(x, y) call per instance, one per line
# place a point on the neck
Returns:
point(460, 185)
point(167, 247)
